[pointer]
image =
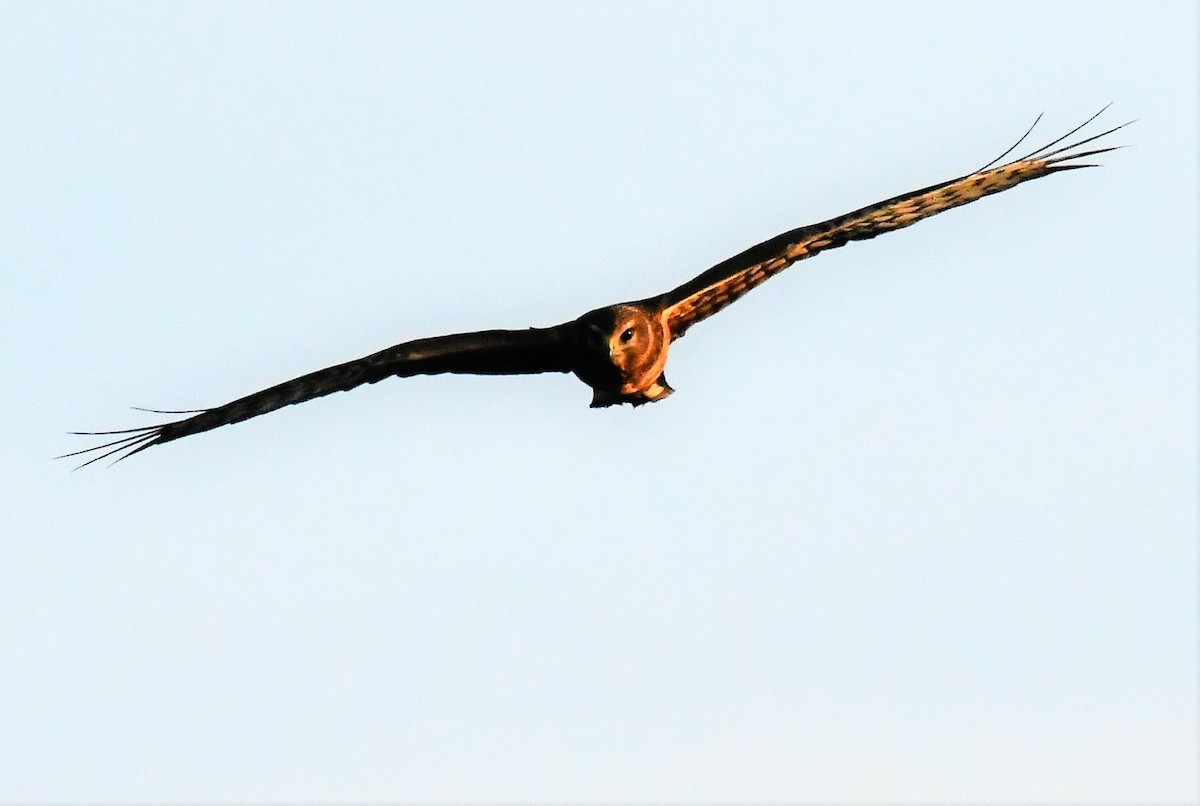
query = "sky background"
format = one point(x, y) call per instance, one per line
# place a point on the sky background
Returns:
point(919, 523)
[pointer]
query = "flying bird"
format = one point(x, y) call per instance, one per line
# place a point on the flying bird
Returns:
point(620, 350)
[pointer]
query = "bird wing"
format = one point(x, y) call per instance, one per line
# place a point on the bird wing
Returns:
point(488, 352)
point(727, 281)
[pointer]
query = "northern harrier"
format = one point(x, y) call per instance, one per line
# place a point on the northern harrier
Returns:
point(620, 350)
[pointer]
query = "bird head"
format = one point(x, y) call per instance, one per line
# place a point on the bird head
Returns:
point(623, 349)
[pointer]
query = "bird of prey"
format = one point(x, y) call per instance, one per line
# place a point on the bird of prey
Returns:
point(620, 350)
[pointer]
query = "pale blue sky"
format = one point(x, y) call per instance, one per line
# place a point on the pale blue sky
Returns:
point(919, 523)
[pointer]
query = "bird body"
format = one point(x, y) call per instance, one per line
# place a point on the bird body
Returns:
point(620, 351)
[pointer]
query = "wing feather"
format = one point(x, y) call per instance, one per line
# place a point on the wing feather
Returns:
point(488, 352)
point(730, 279)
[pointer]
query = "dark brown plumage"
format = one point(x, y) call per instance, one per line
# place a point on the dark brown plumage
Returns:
point(620, 351)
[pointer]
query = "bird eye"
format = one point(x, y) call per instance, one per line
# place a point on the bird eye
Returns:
point(626, 335)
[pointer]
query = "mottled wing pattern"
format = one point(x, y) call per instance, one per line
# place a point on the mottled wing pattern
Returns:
point(488, 352)
point(726, 282)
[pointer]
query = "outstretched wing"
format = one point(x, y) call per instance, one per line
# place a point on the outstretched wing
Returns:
point(488, 352)
point(724, 283)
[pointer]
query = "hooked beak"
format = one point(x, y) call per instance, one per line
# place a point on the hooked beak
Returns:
point(598, 339)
